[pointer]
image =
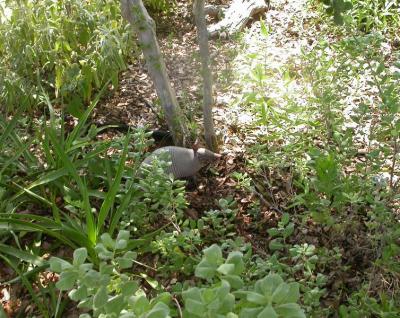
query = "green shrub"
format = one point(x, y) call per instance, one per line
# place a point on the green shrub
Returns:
point(372, 15)
point(112, 291)
point(93, 187)
point(69, 49)
point(160, 5)
point(107, 291)
point(365, 15)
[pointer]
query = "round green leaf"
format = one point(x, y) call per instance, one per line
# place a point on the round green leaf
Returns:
point(100, 298)
point(129, 288)
point(115, 305)
point(268, 312)
point(121, 244)
point(213, 254)
point(234, 280)
point(236, 258)
point(226, 269)
point(205, 270)
point(194, 306)
point(58, 265)
point(107, 241)
point(80, 256)
point(267, 285)
point(280, 294)
point(124, 262)
point(67, 280)
point(160, 310)
point(276, 244)
point(256, 298)
point(290, 310)
point(78, 294)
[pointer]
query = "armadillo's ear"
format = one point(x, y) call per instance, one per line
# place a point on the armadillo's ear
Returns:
point(196, 145)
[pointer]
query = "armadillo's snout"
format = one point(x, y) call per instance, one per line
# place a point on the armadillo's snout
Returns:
point(206, 155)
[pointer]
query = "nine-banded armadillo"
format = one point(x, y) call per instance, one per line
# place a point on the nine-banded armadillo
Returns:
point(184, 162)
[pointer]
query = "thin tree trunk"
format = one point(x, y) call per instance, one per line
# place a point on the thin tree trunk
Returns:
point(136, 14)
point(202, 36)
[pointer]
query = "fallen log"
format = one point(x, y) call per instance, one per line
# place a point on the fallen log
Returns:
point(237, 16)
point(215, 11)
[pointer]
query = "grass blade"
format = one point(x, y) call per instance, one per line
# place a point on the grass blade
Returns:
point(82, 120)
point(34, 271)
point(22, 255)
point(12, 223)
point(91, 227)
point(47, 178)
point(9, 128)
point(34, 195)
point(17, 154)
point(53, 175)
point(71, 236)
point(9, 133)
point(110, 198)
point(118, 213)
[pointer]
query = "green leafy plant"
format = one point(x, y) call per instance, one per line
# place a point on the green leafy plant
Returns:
point(376, 15)
point(269, 297)
point(361, 304)
point(243, 180)
point(154, 195)
point(68, 50)
point(178, 250)
point(220, 222)
point(365, 15)
point(64, 155)
point(337, 8)
point(108, 291)
point(111, 291)
point(165, 6)
point(280, 234)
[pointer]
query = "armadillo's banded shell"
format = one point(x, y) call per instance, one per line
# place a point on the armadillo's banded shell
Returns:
point(184, 163)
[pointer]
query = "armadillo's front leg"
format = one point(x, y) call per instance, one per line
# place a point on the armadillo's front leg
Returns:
point(191, 184)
